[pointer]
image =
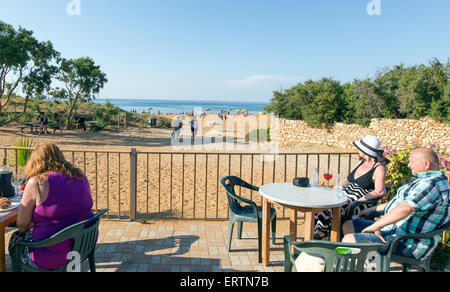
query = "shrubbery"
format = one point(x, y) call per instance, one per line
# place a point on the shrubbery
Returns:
point(106, 115)
point(396, 93)
point(258, 135)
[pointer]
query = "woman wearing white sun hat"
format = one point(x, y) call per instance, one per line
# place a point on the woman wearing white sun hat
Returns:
point(365, 182)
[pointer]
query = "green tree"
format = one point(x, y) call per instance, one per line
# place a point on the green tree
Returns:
point(278, 104)
point(440, 109)
point(321, 102)
point(25, 63)
point(82, 79)
point(417, 91)
point(386, 87)
point(396, 92)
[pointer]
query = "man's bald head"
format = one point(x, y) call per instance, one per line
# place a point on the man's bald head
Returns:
point(423, 160)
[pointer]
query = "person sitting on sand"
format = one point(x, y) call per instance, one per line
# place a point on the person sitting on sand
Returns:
point(420, 206)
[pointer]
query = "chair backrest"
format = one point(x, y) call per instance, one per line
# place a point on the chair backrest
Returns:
point(335, 261)
point(445, 226)
point(84, 235)
point(229, 184)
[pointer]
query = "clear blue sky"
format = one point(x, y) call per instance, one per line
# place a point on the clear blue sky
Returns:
point(235, 49)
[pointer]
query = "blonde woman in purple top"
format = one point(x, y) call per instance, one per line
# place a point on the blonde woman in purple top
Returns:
point(57, 195)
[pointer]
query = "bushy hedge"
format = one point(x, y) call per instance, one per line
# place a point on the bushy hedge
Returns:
point(398, 92)
point(258, 135)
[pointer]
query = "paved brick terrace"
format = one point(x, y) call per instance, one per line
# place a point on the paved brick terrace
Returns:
point(180, 246)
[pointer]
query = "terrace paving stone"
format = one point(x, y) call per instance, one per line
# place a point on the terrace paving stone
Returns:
point(180, 246)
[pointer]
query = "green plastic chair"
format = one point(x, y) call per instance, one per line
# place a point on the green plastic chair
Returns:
point(84, 235)
point(334, 261)
point(250, 212)
point(407, 263)
point(356, 204)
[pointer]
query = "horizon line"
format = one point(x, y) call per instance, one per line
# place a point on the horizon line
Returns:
point(162, 99)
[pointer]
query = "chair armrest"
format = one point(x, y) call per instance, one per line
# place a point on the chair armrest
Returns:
point(373, 215)
point(245, 201)
point(249, 186)
point(402, 237)
point(328, 244)
point(240, 199)
point(355, 204)
point(59, 237)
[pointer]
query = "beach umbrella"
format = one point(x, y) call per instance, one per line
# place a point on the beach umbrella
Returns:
point(238, 111)
point(207, 109)
point(245, 110)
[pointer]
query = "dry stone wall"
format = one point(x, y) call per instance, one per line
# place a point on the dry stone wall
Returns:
point(398, 133)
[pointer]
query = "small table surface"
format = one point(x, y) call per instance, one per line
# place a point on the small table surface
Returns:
point(312, 197)
point(6, 219)
point(308, 200)
point(5, 216)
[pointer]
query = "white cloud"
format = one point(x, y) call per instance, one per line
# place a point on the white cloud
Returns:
point(262, 81)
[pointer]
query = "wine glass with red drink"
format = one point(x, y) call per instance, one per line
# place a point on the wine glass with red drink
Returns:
point(328, 177)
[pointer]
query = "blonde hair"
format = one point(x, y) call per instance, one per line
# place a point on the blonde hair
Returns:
point(48, 158)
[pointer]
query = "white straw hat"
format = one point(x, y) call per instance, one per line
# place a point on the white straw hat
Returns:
point(370, 145)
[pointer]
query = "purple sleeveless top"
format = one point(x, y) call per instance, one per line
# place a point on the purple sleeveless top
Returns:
point(68, 202)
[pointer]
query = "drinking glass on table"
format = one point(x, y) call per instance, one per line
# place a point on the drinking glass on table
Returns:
point(16, 181)
point(339, 185)
point(328, 177)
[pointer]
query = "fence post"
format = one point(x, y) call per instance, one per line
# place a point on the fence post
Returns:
point(133, 184)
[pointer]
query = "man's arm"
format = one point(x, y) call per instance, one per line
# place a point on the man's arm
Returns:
point(400, 212)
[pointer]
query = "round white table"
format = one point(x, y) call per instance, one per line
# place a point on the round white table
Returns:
point(307, 200)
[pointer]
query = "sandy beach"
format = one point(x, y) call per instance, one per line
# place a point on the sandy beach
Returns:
point(176, 185)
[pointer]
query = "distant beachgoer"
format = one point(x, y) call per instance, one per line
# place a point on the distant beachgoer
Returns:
point(81, 124)
point(177, 126)
point(43, 125)
point(194, 127)
point(58, 125)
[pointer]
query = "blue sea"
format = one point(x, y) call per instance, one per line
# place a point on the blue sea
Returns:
point(186, 106)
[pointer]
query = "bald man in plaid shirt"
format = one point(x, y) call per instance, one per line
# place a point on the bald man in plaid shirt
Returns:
point(420, 206)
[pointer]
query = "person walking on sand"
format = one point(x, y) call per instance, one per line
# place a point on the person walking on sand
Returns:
point(57, 123)
point(194, 127)
point(44, 123)
point(177, 125)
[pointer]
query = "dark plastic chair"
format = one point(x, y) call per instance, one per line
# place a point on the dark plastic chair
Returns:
point(334, 261)
point(84, 235)
point(250, 212)
point(407, 262)
point(369, 203)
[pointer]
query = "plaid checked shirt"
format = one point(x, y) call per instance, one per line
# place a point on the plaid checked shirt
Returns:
point(428, 193)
